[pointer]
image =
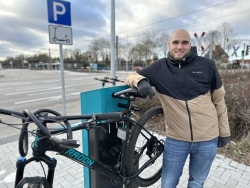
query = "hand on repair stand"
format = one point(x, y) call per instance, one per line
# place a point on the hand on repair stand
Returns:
point(145, 89)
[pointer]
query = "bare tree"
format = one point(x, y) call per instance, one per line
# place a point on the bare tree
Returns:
point(77, 54)
point(162, 43)
point(104, 48)
point(99, 48)
point(137, 54)
point(227, 33)
point(212, 37)
point(147, 44)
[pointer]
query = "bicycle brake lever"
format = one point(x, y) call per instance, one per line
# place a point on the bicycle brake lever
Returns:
point(65, 142)
point(70, 143)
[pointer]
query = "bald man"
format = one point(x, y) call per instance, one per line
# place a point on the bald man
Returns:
point(192, 97)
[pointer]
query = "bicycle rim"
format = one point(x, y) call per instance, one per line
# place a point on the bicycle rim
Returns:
point(137, 152)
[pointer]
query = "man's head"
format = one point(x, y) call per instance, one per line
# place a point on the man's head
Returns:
point(179, 44)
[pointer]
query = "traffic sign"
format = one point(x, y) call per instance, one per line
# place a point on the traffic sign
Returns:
point(60, 35)
point(59, 12)
point(235, 51)
point(199, 40)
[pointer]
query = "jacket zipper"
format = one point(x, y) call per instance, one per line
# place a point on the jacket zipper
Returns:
point(190, 122)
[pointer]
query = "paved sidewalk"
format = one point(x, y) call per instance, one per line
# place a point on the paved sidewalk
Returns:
point(225, 173)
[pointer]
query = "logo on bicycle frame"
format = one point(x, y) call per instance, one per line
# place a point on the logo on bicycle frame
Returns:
point(72, 153)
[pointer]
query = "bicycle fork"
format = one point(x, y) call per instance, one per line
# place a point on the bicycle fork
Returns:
point(22, 162)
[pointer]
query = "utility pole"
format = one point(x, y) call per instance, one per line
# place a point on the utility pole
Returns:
point(112, 63)
point(127, 55)
point(211, 46)
point(50, 60)
point(243, 54)
point(117, 60)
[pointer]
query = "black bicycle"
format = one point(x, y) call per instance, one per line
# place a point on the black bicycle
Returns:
point(135, 149)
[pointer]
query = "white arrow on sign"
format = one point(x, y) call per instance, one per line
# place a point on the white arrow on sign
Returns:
point(60, 35)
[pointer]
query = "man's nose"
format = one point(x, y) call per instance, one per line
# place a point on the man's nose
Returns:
point(179, 45)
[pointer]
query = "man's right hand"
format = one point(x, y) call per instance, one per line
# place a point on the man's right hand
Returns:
point(145, 89)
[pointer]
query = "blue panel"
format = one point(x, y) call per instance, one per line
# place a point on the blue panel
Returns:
point(59, 12)
point(97, 101)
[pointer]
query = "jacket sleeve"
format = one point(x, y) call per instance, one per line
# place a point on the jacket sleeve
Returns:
point(133, 79)
point(218, 99)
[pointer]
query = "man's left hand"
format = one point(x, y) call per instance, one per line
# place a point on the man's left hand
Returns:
point(222, 141)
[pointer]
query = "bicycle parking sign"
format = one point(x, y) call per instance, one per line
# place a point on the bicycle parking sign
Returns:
point(59, 12)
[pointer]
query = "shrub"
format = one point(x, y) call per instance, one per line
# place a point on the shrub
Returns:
point(237, 98)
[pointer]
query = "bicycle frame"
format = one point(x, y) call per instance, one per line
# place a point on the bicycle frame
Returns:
point(44, 143)
point(73, 154)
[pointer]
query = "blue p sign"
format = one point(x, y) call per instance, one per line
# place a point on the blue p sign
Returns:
point(59, 12)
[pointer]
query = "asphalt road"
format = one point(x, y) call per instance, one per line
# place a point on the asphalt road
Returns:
point(37, 89)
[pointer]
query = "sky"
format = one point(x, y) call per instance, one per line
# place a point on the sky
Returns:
point(24, 23)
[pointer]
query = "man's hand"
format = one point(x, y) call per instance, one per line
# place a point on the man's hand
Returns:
point(222, 141)
point(145, 89)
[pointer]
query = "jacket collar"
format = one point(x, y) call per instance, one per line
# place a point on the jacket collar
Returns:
point(187, 58)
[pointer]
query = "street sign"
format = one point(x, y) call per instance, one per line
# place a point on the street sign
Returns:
point(59, 12)
point(60, 35)
point(199, 40)
point(235, 51)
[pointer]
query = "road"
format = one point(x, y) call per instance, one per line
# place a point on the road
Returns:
point(33, 90)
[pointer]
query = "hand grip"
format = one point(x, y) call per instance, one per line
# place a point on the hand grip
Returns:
point(65, 142)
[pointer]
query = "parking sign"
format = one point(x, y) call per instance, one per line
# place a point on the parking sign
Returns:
point(59, 12)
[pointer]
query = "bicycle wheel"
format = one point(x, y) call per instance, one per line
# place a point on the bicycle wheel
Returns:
point(33, 182)
point(139, 152)
point(23, 138)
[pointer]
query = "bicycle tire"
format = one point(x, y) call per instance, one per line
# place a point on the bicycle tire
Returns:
point(145, 178)
point(23, 137)
point(34, 182)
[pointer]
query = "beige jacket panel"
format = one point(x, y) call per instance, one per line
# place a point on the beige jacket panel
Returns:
point(133, 78)
point(221, 108)
point(203, 115)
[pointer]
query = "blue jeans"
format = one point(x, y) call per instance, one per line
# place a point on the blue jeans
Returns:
point(175, 154)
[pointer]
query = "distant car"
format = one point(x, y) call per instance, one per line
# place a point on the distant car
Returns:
point(136, 68)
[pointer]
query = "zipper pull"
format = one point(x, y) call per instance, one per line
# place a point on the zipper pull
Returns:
point(179, 65)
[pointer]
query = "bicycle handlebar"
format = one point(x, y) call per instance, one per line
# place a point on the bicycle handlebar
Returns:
point(64, 142)
point(67, 142)
point(128, 94)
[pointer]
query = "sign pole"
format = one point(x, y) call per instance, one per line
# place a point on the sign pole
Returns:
point(112, 63)
point(62, 80)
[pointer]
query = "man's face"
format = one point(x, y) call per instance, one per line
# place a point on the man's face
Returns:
point(179, 44)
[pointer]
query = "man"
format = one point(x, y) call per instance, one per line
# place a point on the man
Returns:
point(192, 97)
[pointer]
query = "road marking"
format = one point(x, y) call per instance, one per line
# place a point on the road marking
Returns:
point(48, 92)
point(32, 91)
point(46, 98)
point(51, 81)
point(20, 84)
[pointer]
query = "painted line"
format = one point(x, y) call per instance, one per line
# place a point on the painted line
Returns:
point(46, 98)
point(48, 92)
point(32, 91)
point(20, 84)
point(51, 81)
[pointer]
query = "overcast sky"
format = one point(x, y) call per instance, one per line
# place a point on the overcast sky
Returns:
point(24, 23)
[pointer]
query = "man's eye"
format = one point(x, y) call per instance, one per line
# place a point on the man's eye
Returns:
point(175, 42)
